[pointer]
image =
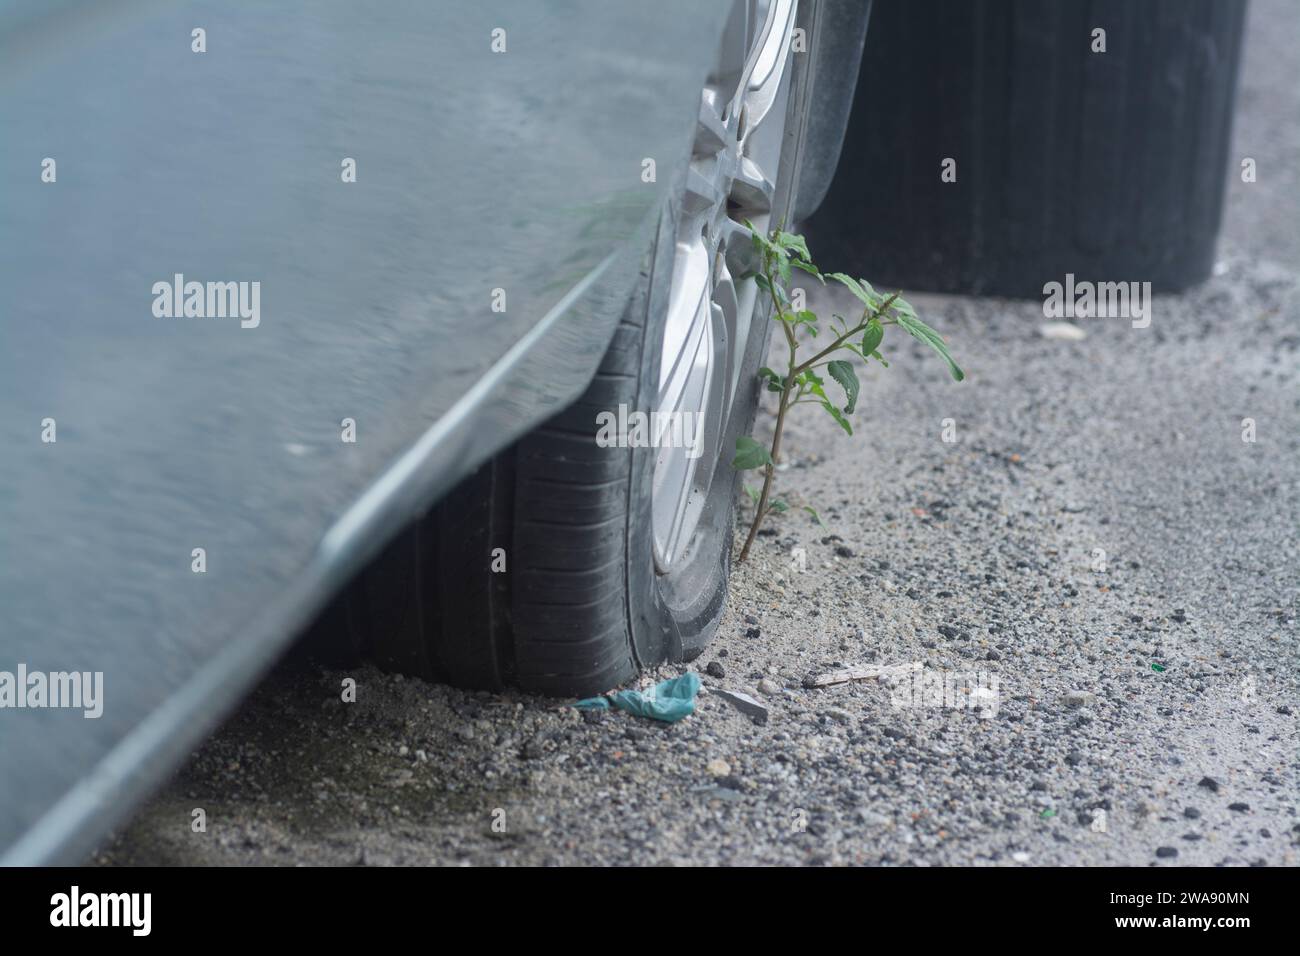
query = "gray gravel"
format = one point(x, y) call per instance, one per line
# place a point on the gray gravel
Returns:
point(1143, 714)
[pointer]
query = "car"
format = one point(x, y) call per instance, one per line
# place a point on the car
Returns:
point(355, 311)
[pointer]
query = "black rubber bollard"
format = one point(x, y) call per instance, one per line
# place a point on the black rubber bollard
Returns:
point(1108, 165)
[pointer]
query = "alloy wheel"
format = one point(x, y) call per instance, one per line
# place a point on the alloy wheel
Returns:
point(712, 307)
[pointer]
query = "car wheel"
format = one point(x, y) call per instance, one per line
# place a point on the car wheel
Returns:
point(609, 559)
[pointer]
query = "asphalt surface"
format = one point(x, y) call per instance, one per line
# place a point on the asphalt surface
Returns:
point(1144, 702)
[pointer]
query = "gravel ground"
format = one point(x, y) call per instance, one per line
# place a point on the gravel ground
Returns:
point(1143, 705)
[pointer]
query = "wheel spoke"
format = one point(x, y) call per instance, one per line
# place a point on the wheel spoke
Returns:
point(711, 133)
point(687, 467)
point(752, 190)
point(727, 304)
point(733, 58)
point(766, 67)
point(690, 287)
point(738, 247)
point(702, 190)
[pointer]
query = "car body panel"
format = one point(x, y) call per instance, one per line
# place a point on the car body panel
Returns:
point(475, 171)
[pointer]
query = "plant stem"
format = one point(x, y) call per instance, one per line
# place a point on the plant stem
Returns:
point(860, 327)
point(769, 473)
point(793, 371)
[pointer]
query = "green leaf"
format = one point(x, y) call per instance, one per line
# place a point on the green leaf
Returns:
point(816, 516)
point(783, 265)
point(779, 506)
point(795, 243)
point(810, 269)
point(761, 242)
point(803, 316)
point(775, 383)
point(810, 380)
point(753, 494)
point(838, 416)
point(861, 288)
point(902, 306)
point(843, 373)
point(872, 337)
point(930, 337)
point(813, 381)
point(869, 298)
point(750, 454)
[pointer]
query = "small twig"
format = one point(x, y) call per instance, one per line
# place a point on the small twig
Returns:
point(865, 672)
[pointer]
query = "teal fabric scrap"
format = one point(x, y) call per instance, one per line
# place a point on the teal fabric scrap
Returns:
point(669, 700)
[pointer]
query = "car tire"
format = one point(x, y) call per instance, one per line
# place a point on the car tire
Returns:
point(540, 570)
point(1108, 166)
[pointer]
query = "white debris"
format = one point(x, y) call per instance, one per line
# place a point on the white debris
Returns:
point(1062, 332)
